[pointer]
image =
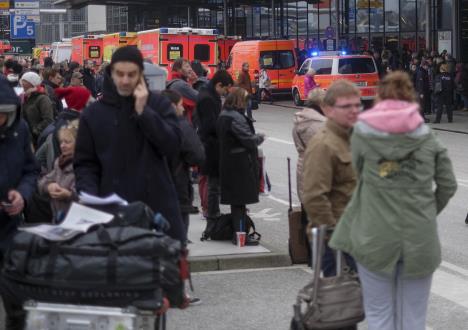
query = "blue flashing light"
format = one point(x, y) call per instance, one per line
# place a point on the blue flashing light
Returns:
point(164, 30)
point(343, 52)
point(314, 53)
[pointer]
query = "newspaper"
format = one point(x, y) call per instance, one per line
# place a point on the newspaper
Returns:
point(78, 220)
point(94, 200)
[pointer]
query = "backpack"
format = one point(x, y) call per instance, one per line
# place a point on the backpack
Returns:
point(222, 229)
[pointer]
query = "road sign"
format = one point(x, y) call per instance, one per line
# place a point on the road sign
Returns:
point(329, 32)
point(22, 28)
point(27, 4)
point(32, 15)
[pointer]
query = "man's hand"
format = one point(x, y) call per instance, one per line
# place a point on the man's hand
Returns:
point(141, 96)
point(17, 203)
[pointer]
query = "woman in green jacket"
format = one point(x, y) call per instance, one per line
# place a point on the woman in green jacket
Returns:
point(389, 226)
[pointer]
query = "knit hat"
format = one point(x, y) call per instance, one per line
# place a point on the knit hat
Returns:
point(32, 78)
point(128, 54)
point(76, 97)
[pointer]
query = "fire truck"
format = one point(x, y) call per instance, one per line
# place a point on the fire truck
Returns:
point(87, 47)
point(225, 44)
point(165, 45)
point(115, 40)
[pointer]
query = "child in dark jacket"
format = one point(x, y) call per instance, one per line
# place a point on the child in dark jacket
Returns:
point(192, 153)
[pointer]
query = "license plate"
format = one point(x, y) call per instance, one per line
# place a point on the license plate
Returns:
point(361, 83)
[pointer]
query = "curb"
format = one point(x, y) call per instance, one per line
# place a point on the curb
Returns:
point(239, 261)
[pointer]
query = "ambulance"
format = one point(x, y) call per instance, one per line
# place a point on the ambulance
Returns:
point(277, 57)
point(61, 51)
point(331, 66)
point(225, 44)
point(165, 45)
point(115, 40)
point(87, 47)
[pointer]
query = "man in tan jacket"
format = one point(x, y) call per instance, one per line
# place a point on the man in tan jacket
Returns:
point(329, 178)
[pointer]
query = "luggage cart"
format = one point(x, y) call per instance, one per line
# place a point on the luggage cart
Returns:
point(48, 316)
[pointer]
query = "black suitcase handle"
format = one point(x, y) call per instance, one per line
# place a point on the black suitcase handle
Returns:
point(289, 184)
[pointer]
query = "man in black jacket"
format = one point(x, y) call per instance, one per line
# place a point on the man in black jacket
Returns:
point(18, 176)
point(89, 81)
point(423, 88)
point(208, 109)
point(125, 139)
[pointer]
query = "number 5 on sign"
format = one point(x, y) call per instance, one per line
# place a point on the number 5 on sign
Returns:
point(22, 27)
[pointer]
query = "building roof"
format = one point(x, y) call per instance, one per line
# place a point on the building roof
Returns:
point(208, 3)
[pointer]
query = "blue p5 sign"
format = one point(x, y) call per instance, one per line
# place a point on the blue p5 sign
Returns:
point(22, 28)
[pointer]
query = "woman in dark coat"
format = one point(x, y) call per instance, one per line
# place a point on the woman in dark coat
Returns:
point(239, 172)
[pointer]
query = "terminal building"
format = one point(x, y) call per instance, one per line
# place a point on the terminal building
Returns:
point(354, 25)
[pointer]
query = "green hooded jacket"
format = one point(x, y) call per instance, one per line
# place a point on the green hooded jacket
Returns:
point(392, 214)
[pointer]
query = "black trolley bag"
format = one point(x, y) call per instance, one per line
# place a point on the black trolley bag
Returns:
point(116, 265)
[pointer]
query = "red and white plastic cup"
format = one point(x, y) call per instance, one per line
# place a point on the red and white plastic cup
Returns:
point(241, 235)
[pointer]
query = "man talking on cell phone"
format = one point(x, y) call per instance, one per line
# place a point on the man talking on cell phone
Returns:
point(125, 138)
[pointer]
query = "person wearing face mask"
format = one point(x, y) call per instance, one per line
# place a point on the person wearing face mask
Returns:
point(59, 184)
point(18, 176)
point(125, 139)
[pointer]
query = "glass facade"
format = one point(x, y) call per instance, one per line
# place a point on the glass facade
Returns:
point(354, 25)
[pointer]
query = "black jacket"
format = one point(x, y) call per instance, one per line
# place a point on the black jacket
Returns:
point(56, 102)
point(18, 167)
point(118, 151)
point(239, 170)
point(422, 81)
point(448, 85)
point(191, 153)
point(207, 113)
point(89, 81)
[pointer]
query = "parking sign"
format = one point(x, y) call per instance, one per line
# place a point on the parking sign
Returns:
point(22, 28)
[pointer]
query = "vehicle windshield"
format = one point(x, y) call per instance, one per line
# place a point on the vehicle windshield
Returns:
point(356, 65)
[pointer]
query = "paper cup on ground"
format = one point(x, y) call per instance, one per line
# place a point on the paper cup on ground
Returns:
point(241, 238)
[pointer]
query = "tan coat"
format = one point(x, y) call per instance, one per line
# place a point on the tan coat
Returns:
point(306, 123)
point(243, 81)
point(329, 178)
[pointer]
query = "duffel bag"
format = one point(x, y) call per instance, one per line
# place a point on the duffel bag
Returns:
point(222, 229)
point(117, 266)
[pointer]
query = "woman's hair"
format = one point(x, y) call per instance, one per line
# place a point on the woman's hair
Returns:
point(315, 98)
point(172, 95)
point(396, 85)
point(237, 99)
point(71, 129)
point(311, 72)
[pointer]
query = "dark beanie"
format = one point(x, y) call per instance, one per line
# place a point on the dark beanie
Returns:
point(128, 54)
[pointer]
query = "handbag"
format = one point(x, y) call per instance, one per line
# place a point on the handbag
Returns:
point(330, 302)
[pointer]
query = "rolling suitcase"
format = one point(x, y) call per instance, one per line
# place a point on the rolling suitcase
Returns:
point(298, 245)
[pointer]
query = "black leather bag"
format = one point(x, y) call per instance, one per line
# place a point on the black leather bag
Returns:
point(117, 266)
point(222, 229)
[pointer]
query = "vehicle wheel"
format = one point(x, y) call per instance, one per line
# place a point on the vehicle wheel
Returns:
point(297, 98)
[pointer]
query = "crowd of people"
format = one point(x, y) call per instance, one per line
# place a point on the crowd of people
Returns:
point(67, 128)
point(441, 82)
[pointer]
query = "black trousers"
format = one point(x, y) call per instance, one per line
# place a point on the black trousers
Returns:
point(238, 213)
point(440, 111)
point(15, 315)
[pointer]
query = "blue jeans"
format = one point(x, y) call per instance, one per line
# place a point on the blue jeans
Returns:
point(329, 262)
